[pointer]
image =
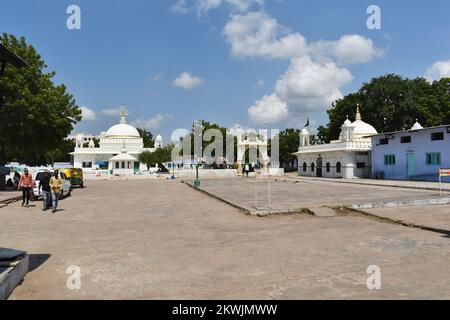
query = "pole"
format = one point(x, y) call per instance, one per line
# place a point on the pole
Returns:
point(440, 183)
point(256, 196)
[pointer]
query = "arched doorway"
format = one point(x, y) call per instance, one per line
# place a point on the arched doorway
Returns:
point(252, 149)
point(319, 164)
point(253, 157)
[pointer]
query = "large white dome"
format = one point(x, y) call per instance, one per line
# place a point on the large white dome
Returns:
point(122, 130)
point(363, 129)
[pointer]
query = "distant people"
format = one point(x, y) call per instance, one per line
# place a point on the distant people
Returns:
point(16, 179)
point(44, 184)
point(26, 184)
point(246, 169)
point(55, 186)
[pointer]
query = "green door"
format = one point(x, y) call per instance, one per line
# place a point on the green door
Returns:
point(410, 164)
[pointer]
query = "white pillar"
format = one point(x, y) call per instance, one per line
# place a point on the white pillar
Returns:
point(348, 165)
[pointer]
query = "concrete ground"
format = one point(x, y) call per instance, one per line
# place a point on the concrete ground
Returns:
point(281, 194)
point(7, 195)
point(437, 217)
point(164, 240)
point(387, 183)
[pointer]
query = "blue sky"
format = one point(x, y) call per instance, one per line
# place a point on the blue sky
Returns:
point(253, 62)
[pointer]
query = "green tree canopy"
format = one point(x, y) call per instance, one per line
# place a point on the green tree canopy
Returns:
point(392, 103)
point(289, 140)
point(158, 157)
point(36, 115)
point(147, 136)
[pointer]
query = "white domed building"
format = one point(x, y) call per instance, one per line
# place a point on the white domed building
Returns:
point(348, 157)
point(119, 148)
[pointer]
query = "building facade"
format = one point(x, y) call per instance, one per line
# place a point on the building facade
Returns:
point(415, 154)
point(348, 157)
point(119, 148)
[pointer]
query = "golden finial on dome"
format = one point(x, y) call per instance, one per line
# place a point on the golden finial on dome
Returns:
point(122, 115)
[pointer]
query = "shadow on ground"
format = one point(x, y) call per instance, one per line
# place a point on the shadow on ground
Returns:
point(36, 260)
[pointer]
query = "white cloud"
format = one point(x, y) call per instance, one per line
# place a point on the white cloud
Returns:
point(180, 7)
point(114, 112)
point(204, 6)
point(257, 34)
point(149, 124)
point(87, 113)
point(244, 5)
point(308, 85)
point(314, 78)
point(349, 49)
point(440, 69)
point(270, 109)
point(187, 81)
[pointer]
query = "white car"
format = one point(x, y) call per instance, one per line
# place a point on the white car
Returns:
point(66, 189)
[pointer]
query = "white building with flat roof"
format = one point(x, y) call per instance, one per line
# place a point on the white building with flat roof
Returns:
point(348, 157)
point(118, 150)
point(415, 154)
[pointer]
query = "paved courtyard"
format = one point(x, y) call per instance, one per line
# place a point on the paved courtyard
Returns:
point(162, 240)
point(287, 194)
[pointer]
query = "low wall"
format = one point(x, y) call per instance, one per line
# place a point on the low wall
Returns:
point(191, 174)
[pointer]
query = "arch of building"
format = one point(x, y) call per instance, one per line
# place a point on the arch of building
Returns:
point(250, 140)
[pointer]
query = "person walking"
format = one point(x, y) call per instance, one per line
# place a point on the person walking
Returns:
point(26, 184)
point(55, 186)
point(246, 169)
point(44, 184)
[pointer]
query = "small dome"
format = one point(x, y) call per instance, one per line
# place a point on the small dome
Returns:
point(159, 138)
point(417, 126)
point(347, 122)
point(304, 131)
point(122, 130)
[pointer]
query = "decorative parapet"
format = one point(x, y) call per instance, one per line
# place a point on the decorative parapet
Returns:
point(338, 146)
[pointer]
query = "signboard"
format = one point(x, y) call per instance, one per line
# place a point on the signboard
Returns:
point(444, 172)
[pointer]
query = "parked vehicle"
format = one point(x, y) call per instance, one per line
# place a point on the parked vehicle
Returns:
point(66, 189)
point(76, 177)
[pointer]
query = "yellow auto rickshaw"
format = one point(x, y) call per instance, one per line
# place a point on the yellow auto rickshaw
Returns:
point(76, 177)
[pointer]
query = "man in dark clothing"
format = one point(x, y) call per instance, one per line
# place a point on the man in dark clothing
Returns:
point(46, 191)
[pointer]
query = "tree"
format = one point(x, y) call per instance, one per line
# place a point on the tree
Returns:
point(391, 103)
point(147, 136)
point(289, 141)
point(158, 157)
point(36, 115)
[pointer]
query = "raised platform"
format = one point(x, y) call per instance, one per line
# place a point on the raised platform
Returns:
point(12, 273)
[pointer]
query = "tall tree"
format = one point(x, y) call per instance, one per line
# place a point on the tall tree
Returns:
point(391, 103)
point(147, 136)
point(36, 115)
point(289, 140)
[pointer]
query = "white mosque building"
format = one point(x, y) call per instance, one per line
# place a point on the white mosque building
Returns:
point(118, 150)
point(348, 157)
